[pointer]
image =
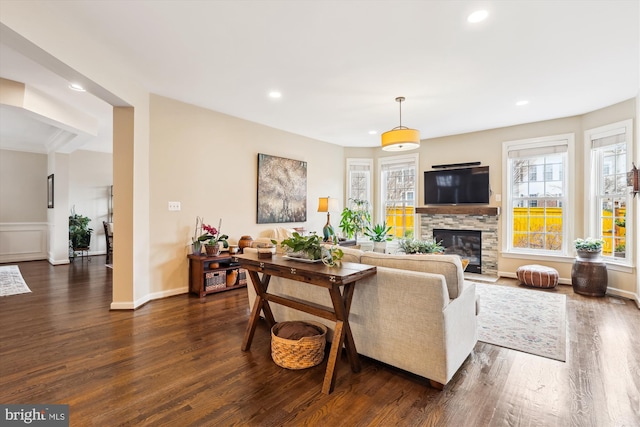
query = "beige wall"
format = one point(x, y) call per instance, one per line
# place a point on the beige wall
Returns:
point(208, 162)
point(23, 187)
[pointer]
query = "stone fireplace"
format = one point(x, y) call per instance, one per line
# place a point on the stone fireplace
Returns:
point(460, 218)
point(466, 243)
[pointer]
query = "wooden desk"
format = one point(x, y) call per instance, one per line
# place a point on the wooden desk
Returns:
point(318, 274)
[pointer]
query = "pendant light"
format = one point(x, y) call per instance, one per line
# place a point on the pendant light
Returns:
point(400, 138)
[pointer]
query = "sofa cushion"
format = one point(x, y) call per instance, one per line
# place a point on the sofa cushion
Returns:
point(351, 254)
point(450, 266)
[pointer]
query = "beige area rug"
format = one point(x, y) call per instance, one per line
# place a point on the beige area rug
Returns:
point(528, 320)
point(11, 281)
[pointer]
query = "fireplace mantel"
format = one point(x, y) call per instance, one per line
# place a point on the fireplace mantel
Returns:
point(459, 210)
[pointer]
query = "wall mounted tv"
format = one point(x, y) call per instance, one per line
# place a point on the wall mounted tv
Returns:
point(457, 186)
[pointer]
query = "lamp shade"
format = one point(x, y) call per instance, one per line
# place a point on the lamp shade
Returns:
point(327, 204)
point(401, 139)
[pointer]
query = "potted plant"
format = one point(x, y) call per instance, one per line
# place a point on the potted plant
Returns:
point(379, 235)
point(589, 248)
point(355, 218)
point(412, 246)
point(79, 231)
point(310, 248)
point(211, 239)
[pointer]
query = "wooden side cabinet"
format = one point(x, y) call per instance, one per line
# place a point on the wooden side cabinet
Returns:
point(211, 274)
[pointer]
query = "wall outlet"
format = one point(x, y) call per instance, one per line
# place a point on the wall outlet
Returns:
point(174, 206)
point(498, 197)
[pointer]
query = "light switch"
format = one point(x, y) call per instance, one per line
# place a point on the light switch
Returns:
point(174, 206)
point(498, 197)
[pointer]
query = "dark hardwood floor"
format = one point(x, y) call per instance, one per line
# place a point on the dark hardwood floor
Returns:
point(178, 362)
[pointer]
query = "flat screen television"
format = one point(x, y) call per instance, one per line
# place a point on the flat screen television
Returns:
point(457, 186)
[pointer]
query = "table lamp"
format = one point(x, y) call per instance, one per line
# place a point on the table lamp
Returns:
point(327, 204)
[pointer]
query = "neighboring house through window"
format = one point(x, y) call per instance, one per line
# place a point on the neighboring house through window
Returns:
point(398, 187)
point(359, 179)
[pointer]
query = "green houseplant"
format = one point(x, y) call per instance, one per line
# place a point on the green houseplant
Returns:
point(412, 246)
point(588, 248)
point(310, 247)
point(355, 218)
point(379, 235)
point(79, 231)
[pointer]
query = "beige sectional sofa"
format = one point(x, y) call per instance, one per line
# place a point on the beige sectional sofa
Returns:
point(417, 313)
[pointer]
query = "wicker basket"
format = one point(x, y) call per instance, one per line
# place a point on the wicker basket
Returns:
point(298, 354)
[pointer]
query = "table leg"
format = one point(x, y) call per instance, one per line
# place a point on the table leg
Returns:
point(261, 304)
point(336, 346)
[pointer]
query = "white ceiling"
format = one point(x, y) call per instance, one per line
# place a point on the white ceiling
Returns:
point(341, 64)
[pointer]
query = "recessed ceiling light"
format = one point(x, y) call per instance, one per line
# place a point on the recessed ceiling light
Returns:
point(521, 103)
point(373, 132)
point(275, 94)
point(76, 87)
point(477, 16)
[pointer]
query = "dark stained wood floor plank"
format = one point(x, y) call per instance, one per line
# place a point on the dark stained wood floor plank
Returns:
point(177, 362)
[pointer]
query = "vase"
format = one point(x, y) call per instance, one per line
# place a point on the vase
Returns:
point(244, 242)
point(589, 256)
point(197, 248)
point(212, 250)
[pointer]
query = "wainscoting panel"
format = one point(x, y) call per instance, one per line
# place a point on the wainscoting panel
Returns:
point(23, 241)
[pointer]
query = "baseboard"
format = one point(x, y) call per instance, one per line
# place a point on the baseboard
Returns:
point(624, 294)
point(132, 305)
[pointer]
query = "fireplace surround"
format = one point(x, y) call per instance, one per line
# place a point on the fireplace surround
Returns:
point(474, 218)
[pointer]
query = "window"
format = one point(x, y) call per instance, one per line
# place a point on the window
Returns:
point(397, 193)
point(609, 198)
point(538, 198)
point(359, 179)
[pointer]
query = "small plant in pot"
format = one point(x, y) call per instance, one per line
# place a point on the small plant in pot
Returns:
point(79, 231)
point(412, 246)
point(588, 248)
point(310, 248)
point(379, 235)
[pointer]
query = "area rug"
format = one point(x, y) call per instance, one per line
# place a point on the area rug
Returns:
point(532, 321)
point(11, 281)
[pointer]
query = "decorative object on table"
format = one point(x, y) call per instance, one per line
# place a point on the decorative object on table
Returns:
point(211, 236)
point(332, 256)
point(589, 273)
point(282, 190)
point(632, 180)
point(298, 345)
point(232, 277)
point(50, 188)
point(244, 242)
point(79, 231)
point(538, 276)
point(328, 205)
point(412, 246)
point(589, 248)
point(400, 138)
point(265, 250)
point(355, 218)
point(233, 249)
point(304, 247)
point(379, 235)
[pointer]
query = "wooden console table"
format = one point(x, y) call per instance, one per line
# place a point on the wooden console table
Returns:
point(201, 266)
point(317, 274)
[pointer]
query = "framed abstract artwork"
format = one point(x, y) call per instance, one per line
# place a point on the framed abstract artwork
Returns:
point(282, 190)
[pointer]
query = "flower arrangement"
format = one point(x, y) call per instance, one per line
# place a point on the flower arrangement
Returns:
point(208, 235)
point(589, 244)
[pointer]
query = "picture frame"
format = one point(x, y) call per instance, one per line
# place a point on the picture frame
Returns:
point(282, 190)
point(50, 191)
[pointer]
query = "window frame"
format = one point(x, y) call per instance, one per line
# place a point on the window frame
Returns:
point(368, 162)
point(592, 204)
point(568, 180)
point(413, 158)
